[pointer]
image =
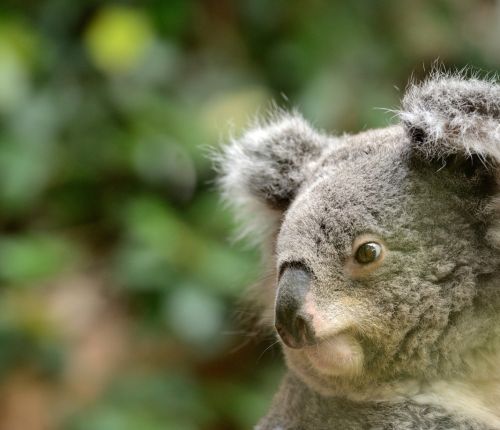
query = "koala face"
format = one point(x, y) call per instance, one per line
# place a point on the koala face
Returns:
point(385, 258)
point(380, 259)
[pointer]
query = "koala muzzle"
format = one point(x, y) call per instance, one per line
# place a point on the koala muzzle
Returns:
point(293, 325)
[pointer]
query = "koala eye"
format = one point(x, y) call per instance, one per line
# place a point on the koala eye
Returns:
point(368, 252)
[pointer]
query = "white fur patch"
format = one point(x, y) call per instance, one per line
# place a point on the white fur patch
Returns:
point(476, 399)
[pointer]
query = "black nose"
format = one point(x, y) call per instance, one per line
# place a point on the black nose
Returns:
point(291, 322)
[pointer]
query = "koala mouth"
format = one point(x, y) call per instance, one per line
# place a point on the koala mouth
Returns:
point(337, 355)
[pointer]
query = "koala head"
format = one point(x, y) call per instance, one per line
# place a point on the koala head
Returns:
point(385, 244)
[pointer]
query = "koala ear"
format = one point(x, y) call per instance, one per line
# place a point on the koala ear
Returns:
point(261, 172)
point(452, 116)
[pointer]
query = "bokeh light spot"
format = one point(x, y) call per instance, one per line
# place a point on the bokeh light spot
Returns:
point(118, 38)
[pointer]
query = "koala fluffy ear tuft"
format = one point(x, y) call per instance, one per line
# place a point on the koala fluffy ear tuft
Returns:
point(261, 171)
point(450, 115)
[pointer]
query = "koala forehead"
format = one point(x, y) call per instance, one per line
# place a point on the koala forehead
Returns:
point(357, 187)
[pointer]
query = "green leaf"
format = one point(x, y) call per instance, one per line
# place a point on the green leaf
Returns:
point(30, 258)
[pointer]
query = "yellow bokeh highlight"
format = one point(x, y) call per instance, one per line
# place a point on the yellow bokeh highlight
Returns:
point(118, 38)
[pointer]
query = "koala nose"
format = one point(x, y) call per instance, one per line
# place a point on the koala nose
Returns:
point(292, 323)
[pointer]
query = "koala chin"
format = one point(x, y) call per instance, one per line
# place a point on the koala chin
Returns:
point(384, 250)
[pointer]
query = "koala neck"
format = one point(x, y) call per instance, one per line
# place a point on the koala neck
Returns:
point(474, 394)
point(472, 402)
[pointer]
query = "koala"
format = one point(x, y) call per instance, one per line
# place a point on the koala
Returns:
point(383, 250)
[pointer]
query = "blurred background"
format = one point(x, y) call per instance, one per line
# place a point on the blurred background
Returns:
point(119, 281)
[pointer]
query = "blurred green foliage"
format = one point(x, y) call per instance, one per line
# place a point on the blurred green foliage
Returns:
point(106, 113)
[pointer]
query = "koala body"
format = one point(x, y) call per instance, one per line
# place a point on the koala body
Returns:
point(384, 253)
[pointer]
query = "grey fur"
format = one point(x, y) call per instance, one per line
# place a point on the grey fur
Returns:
point(427, 316)
point(312, 411)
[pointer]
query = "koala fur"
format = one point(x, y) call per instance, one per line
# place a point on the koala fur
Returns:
point(411, 340)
